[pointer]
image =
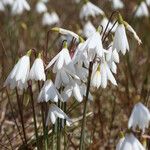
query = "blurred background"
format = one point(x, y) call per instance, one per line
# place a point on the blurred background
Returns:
point(111, 107)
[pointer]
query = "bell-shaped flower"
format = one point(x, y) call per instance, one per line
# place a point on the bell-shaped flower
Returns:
point(54, 113)
point(81, 56)
point(106, 74)
point(2, 8)
point(37, 70)
point(49, 92)
point(130, 143)
point(119, 144)
point(41, 7)
point(96, 78)
point(142, 10)
point(65, 32)
point(89, 9)
point(75, 89)
point(64, 76)
point(120, 40)
point(8, 2)
point(72, 89)
point(140, 117)
point(117, 4)
point(50, 19)
point(19, 6)
point(112, 57)
point(81, 71)
point(88, 29)
point(94, 46)
point(19, 75)
point(129, 28)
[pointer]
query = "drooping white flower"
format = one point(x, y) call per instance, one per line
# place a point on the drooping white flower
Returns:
point(19, 6)
point(117, 4)
point(19, 75)
point(2, 8)
point(130, 143)
point(106, 74)
point(88, 29)
point(54, 113)
point(37, 70)
point(73, 88)
point(142, 10)
point(76, 90)
point(61, 59)
point(120, 40)
point(8, 2)
point(129, 28)
point(140, 117)
point(50, 18)
point(41, 7)
point(49, 92)
point(112, 57)
point(89, 9)
point(64, 76)
point(148, 2)
point(119, 144)
point(94, 46)
point(65, 32)
point(101, 74)
point(96, 78)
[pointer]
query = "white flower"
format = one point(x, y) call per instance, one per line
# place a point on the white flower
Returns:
point(75, 89)
point(2, 8)
point(41, 7)
point(19, 6)
point(54, 113)
point(50, 19)
point(142, 10)
point(117, 4)
point(49, 92)
point(88, 29)
point(106, 74)
point(37, 70)
point(130, 143)
point(96, 78)
point(119, 144)
point(120, 39)
point(89, 9)
point(19, 75)
point(64, 76)
point(8, 2)
point(140, 117)
point(133, 32)
point(61, 59)
point(94, 46)
point(65, 32)
point(148, 2)
point(112, 57)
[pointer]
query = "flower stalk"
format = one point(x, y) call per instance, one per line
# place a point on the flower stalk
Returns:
point(85, 108)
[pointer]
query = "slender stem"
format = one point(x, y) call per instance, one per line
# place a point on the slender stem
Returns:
point(58, 130)
point(53, 133)
point(21, 116)
point(34, 115)
point(85, 108)
point(12, 112)
point(65, 136)
point(8, 139)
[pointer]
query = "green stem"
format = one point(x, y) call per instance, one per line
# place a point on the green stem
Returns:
point(85, 108)
point(34, 115)
point(65, 137)
point(58, 130)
